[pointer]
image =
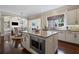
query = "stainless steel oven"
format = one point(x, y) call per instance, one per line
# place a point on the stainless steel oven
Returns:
point(37, 44)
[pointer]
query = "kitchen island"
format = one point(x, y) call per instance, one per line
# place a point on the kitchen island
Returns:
point(40, 42)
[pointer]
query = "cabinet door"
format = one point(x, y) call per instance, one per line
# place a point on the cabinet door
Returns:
point(24, 39)
point(27, 41)
point(55, 41)
point(77, 37)
point(71, 17)
point(70, 37)
point(78, 16)
point(61, 35)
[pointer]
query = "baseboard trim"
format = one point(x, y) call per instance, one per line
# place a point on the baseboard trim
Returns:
point(74, 44)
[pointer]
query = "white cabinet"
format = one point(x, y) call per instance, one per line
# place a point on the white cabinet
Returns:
point(76, 40)
point(71, 17)
point(51, 44)
point(61, 35)
point(70, 36)
point(26, 41)
point(78, 16)
point(55, 42)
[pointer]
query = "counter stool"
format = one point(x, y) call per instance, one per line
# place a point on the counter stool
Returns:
point(16, 41)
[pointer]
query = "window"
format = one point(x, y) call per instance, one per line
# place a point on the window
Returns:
point(36, 23)
point(56, 21)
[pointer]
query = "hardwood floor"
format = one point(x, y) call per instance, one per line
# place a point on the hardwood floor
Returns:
point(63, 48)
point(9, 49)
point(68, 48)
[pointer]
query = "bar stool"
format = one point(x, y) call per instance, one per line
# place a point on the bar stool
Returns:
point(16, 41)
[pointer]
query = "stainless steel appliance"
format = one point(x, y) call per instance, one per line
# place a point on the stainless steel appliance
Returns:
point(37, 44)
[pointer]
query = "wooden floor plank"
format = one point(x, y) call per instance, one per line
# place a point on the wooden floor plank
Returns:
point(68, 48)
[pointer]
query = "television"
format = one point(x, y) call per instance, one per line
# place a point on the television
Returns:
point(15, 23)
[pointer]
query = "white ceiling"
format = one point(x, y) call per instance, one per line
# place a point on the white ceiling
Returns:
point(27, 10)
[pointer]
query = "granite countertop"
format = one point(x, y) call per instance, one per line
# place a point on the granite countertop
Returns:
point(42, 33)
